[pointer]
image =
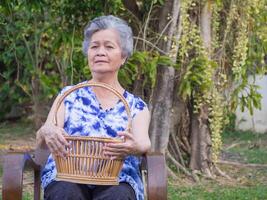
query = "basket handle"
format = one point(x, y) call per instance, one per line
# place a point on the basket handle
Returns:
point(103, 85)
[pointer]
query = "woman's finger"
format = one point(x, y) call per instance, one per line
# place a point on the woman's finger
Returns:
point(116, 152)
point(51, 146)
point(62, 140)
point(61, 148)
point(115, 149)
point(116, 155)
point(125, 135)
point(128, 144)
point(55, 146)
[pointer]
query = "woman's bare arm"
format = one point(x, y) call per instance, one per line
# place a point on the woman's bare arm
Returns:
point(135, 143)
point(50, 135)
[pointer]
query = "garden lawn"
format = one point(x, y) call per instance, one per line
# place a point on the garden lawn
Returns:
point(246, 183)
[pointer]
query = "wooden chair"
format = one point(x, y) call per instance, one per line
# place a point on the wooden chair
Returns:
point(152, 168)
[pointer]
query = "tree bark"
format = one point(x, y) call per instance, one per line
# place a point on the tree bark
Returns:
point(205, 26)
point(37, 107)
point(162, 102)
point(163, 93)
point(138, 86)
point(200, 137)
point(131, 5)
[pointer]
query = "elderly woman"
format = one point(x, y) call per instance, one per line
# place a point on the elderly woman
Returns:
point(108, 43)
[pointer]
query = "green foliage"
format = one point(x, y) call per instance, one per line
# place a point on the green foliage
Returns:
point(250, 42)
point(41, 41)
point(197, 77)
point(237, 51)
point(248, 54)
point(199, 82)
point(143, 65)
point(246, 96)
point(230, 122)
point(40, 47)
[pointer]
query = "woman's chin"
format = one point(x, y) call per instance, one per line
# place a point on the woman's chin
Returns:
point(101, 72)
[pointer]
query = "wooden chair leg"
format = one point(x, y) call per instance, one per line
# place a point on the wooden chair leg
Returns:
point(154, 164)
point(14, 165)
point(13, 177)
point(37, 184)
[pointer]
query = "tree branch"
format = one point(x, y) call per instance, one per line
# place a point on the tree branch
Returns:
point(171, 173)
point(132, 7)
point(183, 169)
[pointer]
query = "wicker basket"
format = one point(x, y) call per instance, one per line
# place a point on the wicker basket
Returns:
point(85, 162)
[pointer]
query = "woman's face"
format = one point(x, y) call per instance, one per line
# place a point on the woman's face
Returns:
point(104, 52)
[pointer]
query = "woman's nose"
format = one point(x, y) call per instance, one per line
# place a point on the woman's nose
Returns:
point(101, 51)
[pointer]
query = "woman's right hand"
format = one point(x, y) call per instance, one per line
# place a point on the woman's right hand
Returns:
point(53, 137)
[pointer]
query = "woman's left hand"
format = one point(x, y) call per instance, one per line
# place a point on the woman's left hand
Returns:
point(122, 149)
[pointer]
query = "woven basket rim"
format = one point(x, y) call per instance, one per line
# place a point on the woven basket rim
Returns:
point(95, 84)
point(92, 138)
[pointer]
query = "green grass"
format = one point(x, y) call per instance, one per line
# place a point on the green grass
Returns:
point(250, 146)
point(256, 156)
point(246, 183)
point(16, 130)
point(26, 196)
point(217, 192)
point(231, 136)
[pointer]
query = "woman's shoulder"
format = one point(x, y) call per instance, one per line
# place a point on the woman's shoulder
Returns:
point(136, 103)
point(68, 87)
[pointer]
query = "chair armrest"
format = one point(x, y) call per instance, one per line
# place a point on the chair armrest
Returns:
point(156, 176)
point(13, 167)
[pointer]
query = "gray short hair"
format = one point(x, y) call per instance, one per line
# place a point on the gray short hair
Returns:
point(106, 22)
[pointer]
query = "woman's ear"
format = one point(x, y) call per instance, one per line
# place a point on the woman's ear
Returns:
point(123, 61)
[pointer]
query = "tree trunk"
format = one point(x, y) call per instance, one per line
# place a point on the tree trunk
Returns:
point(179, 126)
point(40, 109)
point(200, 135)
point(205, 26)
point(162, 103)
point(37, 107)
point(138, 88)
point(200, 159)
point(163, 93)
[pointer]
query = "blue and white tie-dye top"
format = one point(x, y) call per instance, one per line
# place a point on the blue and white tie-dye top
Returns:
point(84, 116)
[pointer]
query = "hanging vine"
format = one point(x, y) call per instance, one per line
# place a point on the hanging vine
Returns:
point(207, 77)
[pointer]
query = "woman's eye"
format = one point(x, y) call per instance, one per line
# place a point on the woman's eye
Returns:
point(110, 47)
point(93, 47)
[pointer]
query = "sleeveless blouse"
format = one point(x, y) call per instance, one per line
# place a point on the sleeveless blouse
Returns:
point(84, 116)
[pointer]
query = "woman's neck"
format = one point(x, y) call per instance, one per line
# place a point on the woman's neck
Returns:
point(106, 98)
point(112, 81)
